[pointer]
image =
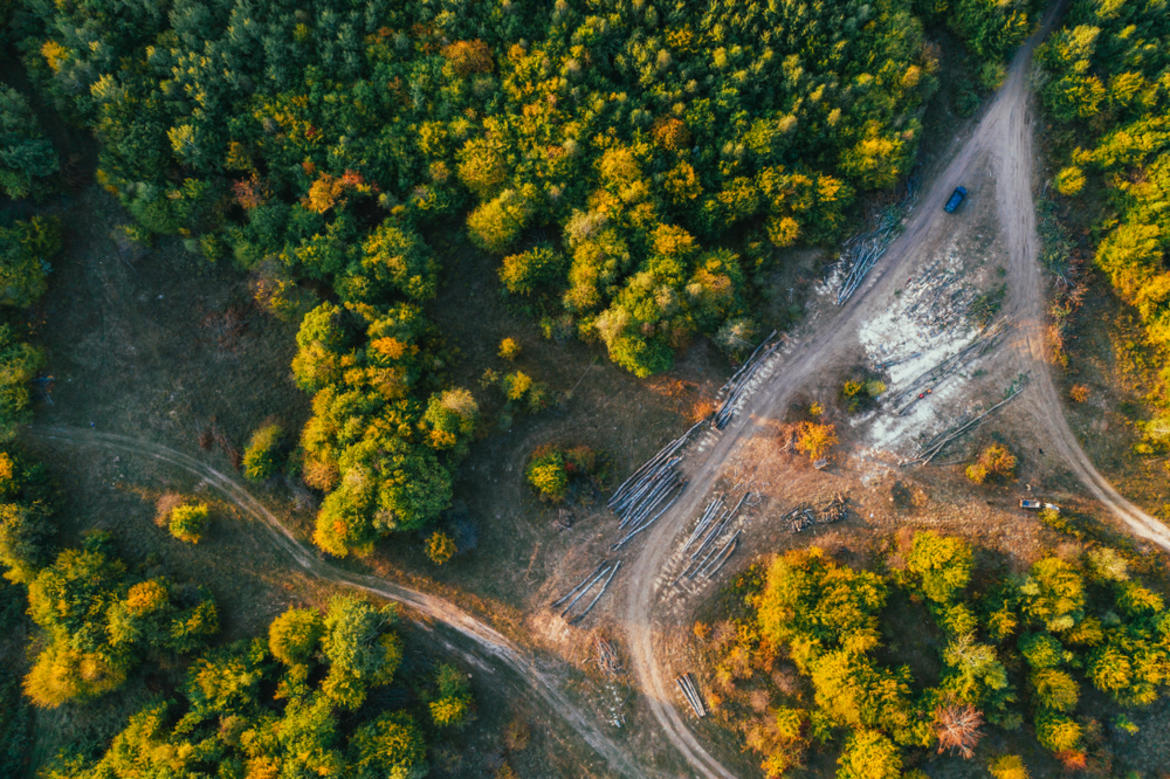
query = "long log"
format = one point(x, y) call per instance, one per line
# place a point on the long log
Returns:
point(649, 522)
point(596, 598)
point(712, 508)
point(660, 455)
point(712, 534)
point(698, 695)
point(925, 458)
point(580, 584)
point(722, 557)
point(639, 511)
point(587, 588)
point(647, 480)
point(686, 692)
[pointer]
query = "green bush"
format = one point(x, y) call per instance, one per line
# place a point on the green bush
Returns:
point(260, 458)
point(547, 475)
point(27, 250)
point(27, 157)
point(188, 521)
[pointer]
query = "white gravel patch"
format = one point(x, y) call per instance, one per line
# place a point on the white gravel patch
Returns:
point(918, 330)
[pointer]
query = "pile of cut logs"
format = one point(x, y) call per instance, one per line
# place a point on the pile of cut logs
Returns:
point(605, 570)
point(733, 390)
point(690, 690)
point(804, 517)
point(710, 556)
point(649, 491)
point(862, 252)
point(607, 657)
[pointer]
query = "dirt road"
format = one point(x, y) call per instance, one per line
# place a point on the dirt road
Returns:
point(1003, 138)
point(1012, 157)
point(488, 643)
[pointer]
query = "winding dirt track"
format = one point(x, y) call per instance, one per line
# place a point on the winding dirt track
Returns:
point(1003, 137)
point(490, 643)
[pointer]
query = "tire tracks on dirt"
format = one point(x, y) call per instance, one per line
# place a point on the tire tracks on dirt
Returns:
point(1013, 157)
point(489, 642)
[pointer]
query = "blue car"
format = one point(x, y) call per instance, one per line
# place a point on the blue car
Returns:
point(957, 198)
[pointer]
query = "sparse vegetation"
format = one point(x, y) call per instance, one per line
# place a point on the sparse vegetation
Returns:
point(323, 667)
point(97, 620)
point(552, 471)
point(860, 393)
point(1103, 63)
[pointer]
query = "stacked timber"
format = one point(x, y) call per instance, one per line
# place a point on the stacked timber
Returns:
point(690, 690)
point(861, 252)
point(602, 574)
point(712, 553)
point(735, 387)
point(651, 490)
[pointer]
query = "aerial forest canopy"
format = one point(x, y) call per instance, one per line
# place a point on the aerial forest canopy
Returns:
point(635, 166)
point(1107, 93)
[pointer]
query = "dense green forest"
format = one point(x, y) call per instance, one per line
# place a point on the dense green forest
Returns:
point(635, 166)
point(1107, 96)
point(1066, 650)
point(320, 697)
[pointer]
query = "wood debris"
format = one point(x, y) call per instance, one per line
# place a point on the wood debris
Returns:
point(861, 252)
point(607, 657)
point(804, 516)
point(935, 446)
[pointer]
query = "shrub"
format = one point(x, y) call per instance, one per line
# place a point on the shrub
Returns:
point(453, 698)
point(27, 250)
point(188, 521)
point(547, 474)
point(260, 458)
point(995, 460)
point(516, 385)
point(1008, 767)
point(815, 439)
point(509, 348)
point(1079, 393)
point(440, 547)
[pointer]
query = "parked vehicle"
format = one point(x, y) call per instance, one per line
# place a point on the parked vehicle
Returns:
point(1031, 505)
point(1052, 507)
point(957, 198)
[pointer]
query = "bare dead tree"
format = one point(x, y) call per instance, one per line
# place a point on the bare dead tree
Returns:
point(958, 728)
